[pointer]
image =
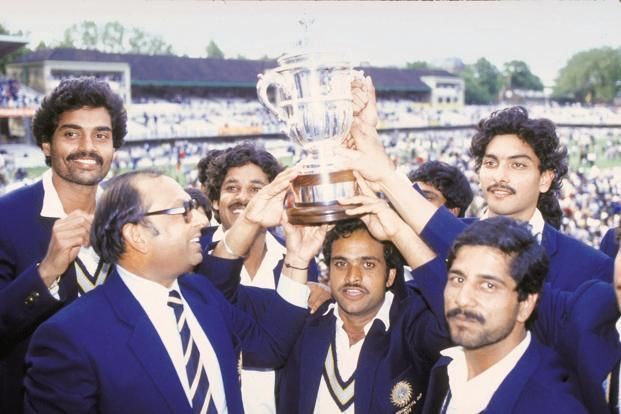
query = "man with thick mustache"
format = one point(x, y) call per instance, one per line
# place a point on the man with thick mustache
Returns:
point(496, 273)
point(45, 257)
point(521, 164)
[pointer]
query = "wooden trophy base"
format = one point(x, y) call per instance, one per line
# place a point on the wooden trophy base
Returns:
point(315, 197)
point(317, 214)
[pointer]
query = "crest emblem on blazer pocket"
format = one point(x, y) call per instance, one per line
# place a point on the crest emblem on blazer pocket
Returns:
point(401, 394)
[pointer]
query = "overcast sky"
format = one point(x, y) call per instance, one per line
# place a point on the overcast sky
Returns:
point(544, 34)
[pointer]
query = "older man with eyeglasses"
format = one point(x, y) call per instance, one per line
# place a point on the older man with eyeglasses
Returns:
point(165, 341)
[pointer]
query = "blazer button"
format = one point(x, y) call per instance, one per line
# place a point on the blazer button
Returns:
point(30, 299)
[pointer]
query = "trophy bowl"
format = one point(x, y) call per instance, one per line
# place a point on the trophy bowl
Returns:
point(310, 95)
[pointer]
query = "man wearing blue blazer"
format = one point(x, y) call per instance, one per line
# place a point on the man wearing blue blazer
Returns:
point(496, 272)
point(520, 164)
point(231, 179)
point(154, 338)
point(45, 258)
point(370, 350)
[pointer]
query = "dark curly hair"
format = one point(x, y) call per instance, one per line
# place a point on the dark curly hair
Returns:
point(448, 180)
point(72, 94)
point(237, 156)
point(540, 134)
point(203, 165)
point(345, 228)
point(120, 204)
point(529, 261)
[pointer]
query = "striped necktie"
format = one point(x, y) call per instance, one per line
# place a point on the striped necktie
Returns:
point(197, 376)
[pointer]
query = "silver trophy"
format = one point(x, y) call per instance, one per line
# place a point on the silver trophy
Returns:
point(311, 96)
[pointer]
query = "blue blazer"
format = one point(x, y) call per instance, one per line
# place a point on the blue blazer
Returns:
point(537, 385)
point(25, 301)
point(102, 354)
point(580, 326)
point(403, 354)
point(609, 244)
point(571, 261)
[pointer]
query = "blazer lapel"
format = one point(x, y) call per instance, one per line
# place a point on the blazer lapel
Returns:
point(146, 345)
point(438, 386)
point(510, 389)
point(549, 240)
point(375, 345)
point(312, 359)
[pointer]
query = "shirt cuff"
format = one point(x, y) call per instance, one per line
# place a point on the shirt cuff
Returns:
point(293, 292)
point(618, 326)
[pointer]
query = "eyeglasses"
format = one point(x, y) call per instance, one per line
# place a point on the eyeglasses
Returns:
point(186, 210)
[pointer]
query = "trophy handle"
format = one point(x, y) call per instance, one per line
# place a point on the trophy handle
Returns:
point(267, 79)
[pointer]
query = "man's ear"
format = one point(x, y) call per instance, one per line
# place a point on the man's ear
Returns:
point(527, 307)
point(392, 273)
point(134, 237)
point(47, 150)
point(545, 180)
point(215, 205)
point(455, 211)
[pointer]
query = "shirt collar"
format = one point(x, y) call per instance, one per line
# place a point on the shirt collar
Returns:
point(147, 292)
point(537, 223)
point(473, 395)
point(52, 206)
point(383, 314)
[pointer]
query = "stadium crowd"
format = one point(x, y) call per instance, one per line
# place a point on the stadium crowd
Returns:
point(503, 312)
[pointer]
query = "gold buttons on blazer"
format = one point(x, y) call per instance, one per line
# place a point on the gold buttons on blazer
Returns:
point(30, 299)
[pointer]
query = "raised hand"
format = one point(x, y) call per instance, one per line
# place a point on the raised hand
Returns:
point(69, 234)
point(266, 207)
point(302, 242)
point(381, 220)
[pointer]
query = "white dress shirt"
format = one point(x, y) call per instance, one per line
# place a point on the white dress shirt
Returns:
point(153, 297)
point(536, 222)
point(471, 396)
point(52, 207)
point(347, 356)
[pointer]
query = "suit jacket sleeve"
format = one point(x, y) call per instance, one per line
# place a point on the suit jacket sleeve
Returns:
point(59, 378)
point(266, 324)
point(591, 307)
point(25, 301)
point(427, 330)
point(441, 230)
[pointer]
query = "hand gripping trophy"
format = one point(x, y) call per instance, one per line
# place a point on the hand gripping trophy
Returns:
point(311, 96)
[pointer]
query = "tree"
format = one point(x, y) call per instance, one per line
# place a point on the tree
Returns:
point(483, 82)
point(11, 56)
point(213, 51)
point(518, 76)
point(591, 76)
point(419, 64)
point(113, 37)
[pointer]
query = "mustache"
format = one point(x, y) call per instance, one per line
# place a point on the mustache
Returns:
point(85, 154)
point(237, 205)
point(354, 285)
point(494, 187)
point(467, 314)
